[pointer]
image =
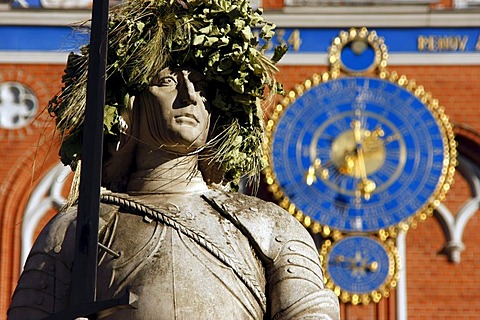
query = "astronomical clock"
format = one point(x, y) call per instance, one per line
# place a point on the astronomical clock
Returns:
point(355, 154)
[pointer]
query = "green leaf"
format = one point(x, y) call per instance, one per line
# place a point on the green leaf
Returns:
point(247, 33)
point(140, 26)
point(198, 39)
point(210, 41)
point(239, 24)
point(206, 30)
point(267, 31)
point(110, 119)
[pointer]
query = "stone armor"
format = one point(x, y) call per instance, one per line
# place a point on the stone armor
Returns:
point(217, 256)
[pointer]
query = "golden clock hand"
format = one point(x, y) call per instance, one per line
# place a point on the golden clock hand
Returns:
point(341, 259)
point(366, 186)
point(359, 264)
point(358, 141)
point(349, 263)
point(378, 132)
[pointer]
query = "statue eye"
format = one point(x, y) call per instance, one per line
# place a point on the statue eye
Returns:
point(166, 81)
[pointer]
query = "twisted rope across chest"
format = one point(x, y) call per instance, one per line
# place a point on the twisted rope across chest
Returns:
point(161, 216)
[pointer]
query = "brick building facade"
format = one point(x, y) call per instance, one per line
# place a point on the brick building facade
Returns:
point(440, 276)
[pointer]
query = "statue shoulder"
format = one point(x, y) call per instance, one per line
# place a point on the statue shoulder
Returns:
point(268, 225)
point(61, 228)
point(44, 285)
point(56, 232)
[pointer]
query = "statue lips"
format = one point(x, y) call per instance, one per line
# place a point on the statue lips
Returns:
point(187, 118)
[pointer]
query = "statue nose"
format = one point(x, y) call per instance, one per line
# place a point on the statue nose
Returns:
point(189, 101)
point(189, 95)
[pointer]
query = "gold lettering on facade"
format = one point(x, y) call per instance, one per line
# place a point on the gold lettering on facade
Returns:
point(477, 46)
point(462, 43)
point(294, 40)
point(280, 36)
point(442, 43)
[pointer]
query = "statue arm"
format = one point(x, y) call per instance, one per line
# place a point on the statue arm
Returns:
point(295, 288)
point(295, 278)
point(43, 287)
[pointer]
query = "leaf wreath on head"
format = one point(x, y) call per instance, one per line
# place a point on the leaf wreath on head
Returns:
point(214, 37)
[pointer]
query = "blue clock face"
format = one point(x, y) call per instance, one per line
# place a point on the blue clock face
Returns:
point(359, 265)
point(359, 154)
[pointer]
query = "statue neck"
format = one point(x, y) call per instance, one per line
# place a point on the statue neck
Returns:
point(164, 172)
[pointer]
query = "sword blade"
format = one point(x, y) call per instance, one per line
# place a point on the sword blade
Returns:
point(84, 273)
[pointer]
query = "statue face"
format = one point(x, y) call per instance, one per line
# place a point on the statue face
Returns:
point(175, 111)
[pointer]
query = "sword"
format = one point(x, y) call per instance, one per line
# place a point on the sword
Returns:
point(84, 276)
point(83, 301)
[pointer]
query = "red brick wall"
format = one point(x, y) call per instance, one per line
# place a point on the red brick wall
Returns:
point(272, 4)
point(443, 4)
point(26, 156)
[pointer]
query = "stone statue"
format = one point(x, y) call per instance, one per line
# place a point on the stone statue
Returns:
point(172, 233)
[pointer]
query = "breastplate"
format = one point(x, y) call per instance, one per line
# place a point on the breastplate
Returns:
point(182, 271)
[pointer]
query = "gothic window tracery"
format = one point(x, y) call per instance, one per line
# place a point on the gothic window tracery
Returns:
point(18, 105)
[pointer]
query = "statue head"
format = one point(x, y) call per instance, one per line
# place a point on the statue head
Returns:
point(173, 111)
point(171, 116)
point(214, 38)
